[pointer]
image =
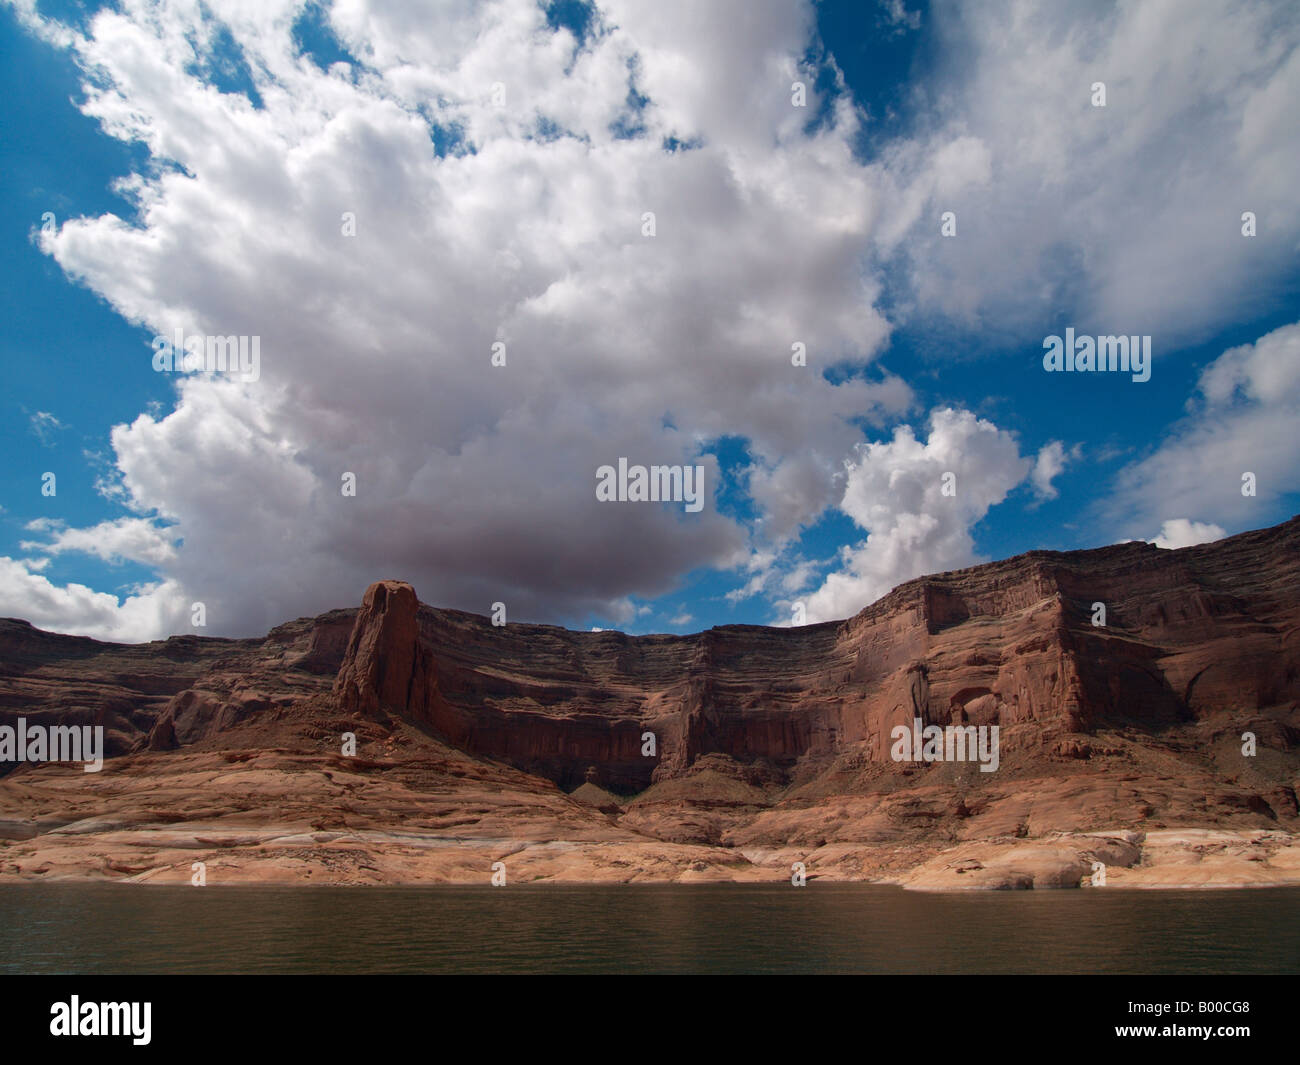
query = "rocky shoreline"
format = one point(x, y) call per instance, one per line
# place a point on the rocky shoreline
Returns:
point(1186, 859)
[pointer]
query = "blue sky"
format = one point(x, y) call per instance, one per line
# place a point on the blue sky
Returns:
point(197, 168)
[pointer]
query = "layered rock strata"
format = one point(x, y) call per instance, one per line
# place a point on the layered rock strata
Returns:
point(769, 745)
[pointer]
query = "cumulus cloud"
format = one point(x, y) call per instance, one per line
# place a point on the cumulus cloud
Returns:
point(120, 540)
point(153, 608)
point(1179, 532)
point(475, 481)
point(478, 179)
point(917, 500)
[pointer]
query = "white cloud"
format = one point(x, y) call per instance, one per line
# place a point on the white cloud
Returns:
point(476, 483)
point(1179, 532)
point(123, 539)
point(45, 425)
point(895, 491)
point(1121, 217)
point(898, 17)
point(1247, 404)
point(152, 609)
point(1050, 464)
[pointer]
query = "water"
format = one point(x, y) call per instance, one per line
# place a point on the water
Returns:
point(110, 928)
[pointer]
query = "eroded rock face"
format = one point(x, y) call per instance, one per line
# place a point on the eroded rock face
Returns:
point(770, 745)
point(194, 715)
point(129, 689)
point(1188, 633)
point(385, 666)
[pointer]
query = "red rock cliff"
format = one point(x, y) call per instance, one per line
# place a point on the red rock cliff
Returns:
point(1187, 632)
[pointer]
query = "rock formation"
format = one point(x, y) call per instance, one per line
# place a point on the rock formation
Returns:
point(765, 745)
point(386, 666)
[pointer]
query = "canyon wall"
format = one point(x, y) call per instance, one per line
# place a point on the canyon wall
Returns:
point(1012, 643)
point(402, 743)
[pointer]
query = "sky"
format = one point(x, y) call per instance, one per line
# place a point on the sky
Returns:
point(484, 249)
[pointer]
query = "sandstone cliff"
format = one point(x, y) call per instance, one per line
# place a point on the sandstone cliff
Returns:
point(769, 745)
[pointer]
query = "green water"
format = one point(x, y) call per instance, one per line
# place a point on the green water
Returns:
point(821, 928)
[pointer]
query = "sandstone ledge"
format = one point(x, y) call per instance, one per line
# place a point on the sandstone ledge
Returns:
point(1173, 858)
point(1192, 858)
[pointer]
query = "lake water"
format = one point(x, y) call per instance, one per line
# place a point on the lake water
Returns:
point(821, 928)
